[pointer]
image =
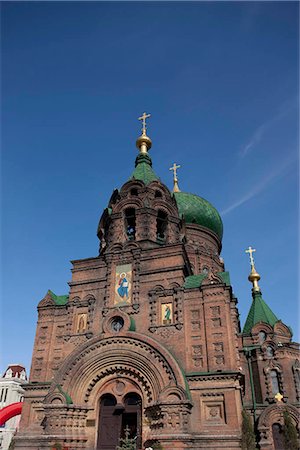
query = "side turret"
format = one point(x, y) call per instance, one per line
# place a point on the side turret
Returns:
point(270, 363)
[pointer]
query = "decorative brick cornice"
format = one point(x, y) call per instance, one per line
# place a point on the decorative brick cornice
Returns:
point(35, 386)
point(206, 376)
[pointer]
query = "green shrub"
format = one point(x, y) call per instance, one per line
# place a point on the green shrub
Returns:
point(248, 435)
point(290, 433)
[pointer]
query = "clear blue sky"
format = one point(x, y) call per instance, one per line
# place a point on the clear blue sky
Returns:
point(221, 82)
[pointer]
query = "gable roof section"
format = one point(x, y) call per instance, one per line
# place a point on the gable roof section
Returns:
point(59, 300)
point(195, 281)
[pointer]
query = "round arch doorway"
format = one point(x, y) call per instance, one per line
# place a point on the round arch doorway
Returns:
point(117, 418)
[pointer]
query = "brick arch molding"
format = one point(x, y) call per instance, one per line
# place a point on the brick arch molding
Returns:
point(128, 354)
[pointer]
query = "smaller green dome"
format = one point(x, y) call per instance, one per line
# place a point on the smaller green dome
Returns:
point(195, 209)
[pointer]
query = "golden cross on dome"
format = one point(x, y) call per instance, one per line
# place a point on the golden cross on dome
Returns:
point(278, 397)
point(251, 250)
point(174, 168)
point(254, 277)
point(143, 117)
point(175, 179)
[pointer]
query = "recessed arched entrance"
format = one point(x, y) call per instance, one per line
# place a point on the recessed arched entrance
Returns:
point(117, 418)
point(278, 436)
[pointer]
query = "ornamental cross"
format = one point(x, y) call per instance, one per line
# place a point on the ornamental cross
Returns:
point(251, 250)
point(278, 397)
point(143, 118)
point(174, 169)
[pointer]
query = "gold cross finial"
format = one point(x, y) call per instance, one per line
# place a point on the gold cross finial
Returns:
point(175, 179)
point(251, 250)
point(174, 168)
point(254, 277)
point(143, 117)
point(278, 397)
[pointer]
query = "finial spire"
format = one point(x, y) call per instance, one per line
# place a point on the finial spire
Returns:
point(143, 142)
point(254, 277)
point(143, 117)
point(175, 179)
point(251, 250)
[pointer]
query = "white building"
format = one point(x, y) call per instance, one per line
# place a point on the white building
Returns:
point(11, 391)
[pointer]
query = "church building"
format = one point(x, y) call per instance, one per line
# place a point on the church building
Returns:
point(148, 343)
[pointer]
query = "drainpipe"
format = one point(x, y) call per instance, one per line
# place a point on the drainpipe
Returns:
point(247, 351)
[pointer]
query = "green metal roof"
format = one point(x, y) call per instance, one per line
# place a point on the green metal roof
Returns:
point(195, 281)
point(195, 209)
point(259, 312)
point(143, 169)
point(59, 300)
point(225, 277)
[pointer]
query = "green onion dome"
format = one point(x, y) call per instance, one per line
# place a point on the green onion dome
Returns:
point(195, 209)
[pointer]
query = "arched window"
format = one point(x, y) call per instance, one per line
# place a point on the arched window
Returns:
point(130, 223)
point(296, 370)
point(134, 192)
point(161, 226)
point(108, 400)
point(270, 351)
point(262, 337)
point(158, 194)
point(132, 399)
point(297, 375)
point(274, 381)
point(117, 324)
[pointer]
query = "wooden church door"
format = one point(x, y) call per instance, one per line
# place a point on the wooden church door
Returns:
point(109, 428)
point(115, 419)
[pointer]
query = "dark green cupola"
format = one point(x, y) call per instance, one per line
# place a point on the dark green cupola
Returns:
point(259, 311)
point(195, 209)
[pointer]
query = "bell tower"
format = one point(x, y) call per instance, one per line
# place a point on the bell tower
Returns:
point(143, 211)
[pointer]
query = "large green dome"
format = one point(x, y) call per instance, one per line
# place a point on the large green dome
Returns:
point(195, 209)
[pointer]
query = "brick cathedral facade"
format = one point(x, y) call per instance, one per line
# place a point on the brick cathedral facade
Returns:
point(149, 340)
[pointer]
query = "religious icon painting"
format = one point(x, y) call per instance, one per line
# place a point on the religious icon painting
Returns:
point(167, 313)
point(81, 323)
point(123, 284)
